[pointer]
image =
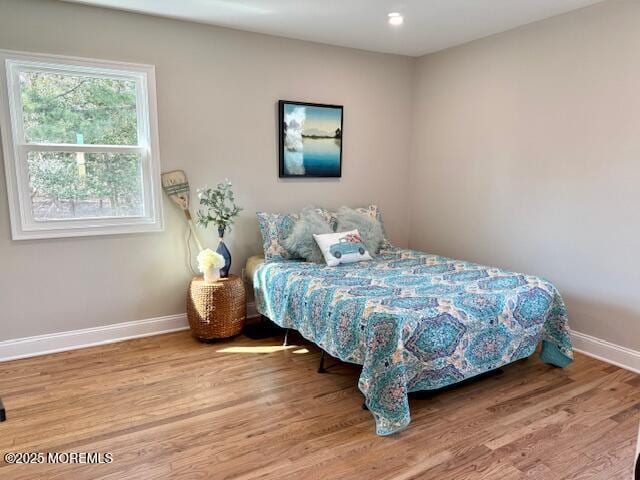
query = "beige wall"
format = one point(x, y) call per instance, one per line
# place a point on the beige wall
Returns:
point(527, 156)
point(217, 93)
point(526, 150)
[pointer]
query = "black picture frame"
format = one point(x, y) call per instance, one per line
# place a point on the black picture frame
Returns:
point(281, 140)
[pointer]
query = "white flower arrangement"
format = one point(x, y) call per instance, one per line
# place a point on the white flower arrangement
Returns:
point(208, 259)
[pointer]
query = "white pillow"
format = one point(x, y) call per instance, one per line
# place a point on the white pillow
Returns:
point(342, 247)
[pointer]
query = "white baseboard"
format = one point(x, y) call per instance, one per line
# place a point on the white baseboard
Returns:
point(251, 310)
point(89, 337)
point(607, 352)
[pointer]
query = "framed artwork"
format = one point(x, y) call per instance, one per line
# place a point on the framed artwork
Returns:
point(310, 139)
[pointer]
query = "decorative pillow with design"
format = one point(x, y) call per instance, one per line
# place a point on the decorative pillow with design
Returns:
point(300, 243)
point(342, 247)
point(275, 228)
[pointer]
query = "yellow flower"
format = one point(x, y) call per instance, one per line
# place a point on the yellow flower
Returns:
point(207, 259)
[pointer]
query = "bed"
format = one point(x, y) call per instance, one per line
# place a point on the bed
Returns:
point(415, 321)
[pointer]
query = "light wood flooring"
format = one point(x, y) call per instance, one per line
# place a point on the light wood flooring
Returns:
point(170, 407)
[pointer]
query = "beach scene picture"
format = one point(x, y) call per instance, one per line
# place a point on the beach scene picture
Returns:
point(310, 140)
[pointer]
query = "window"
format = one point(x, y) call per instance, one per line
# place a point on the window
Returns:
point(80, 146)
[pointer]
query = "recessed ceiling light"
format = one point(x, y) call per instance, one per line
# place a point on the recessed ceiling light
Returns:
point(395, 19)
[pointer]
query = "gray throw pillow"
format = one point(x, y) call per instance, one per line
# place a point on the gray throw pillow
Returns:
point(300, 241)
point(369, 228)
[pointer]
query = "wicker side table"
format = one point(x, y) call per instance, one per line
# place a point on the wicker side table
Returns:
point(216, 310)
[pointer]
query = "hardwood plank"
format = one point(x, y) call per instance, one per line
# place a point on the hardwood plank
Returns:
point(171, 407)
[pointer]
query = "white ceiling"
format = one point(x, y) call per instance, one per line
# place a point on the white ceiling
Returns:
point(430, 25)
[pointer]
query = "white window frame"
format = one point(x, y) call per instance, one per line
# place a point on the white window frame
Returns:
point(16, 148)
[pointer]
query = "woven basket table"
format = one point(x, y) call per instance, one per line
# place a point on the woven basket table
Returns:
point(216, 310)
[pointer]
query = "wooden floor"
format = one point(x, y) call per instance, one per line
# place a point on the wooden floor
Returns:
point(169, 407)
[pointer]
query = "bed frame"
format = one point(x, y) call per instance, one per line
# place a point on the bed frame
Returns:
point(321, 367)
point(420, 394)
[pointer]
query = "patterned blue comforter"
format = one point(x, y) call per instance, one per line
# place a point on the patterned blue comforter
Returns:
point(415, 321)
